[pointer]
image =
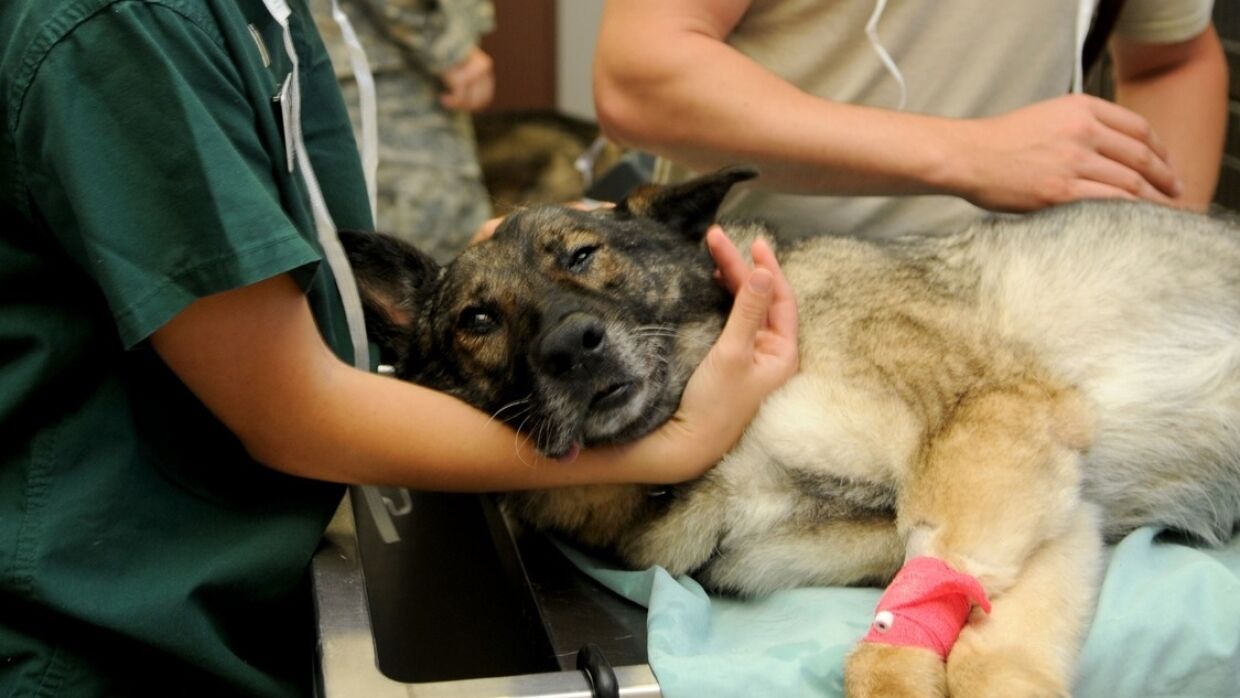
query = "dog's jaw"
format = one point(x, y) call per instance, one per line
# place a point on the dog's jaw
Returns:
point(655, 363)
point(601, 426)
point(624, 400)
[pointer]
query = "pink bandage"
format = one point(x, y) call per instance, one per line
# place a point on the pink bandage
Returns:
point(926, 605)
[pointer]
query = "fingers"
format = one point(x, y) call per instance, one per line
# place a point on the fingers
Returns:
point(732, 268)
point(764, 313)
point(470, 84)
point(754, 289)
point(1129, 123)
point(1086, 189)
point(481, 90)
point(749, 314)
point(461, 94)
point(1127, 139)
point(589, 205)
point(486, 230)
point(782, 315)
point(1105, 178)
point(453, 96)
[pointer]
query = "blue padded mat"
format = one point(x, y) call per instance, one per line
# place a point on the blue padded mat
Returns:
point(1167, 624)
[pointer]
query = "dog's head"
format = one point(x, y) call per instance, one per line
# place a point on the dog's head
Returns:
point(575, 327)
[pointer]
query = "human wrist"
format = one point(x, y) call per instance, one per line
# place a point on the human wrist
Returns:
point(673, 453)
point(944, 163)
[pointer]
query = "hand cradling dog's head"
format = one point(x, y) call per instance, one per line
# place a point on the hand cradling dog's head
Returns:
point(575, 327)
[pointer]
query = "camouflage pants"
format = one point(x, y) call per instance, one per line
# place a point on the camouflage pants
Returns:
point(430, 186)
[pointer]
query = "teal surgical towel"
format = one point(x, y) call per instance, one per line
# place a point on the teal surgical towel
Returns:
point(1167, 624)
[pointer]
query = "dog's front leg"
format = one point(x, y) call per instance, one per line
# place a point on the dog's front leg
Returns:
point(993, 498)
point(1028, 644)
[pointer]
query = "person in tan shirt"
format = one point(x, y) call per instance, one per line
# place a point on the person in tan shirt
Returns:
point(883, 119)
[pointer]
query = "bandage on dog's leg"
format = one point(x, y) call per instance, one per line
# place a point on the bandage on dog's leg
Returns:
point(926, 605)
point(915, 626)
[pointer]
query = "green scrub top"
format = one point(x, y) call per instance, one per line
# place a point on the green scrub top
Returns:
point(143, 166)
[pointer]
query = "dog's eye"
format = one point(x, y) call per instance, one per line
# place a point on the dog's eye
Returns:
point(479, 321)
point(580, 258)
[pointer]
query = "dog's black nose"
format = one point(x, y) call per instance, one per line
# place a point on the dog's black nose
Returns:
point(575, 344)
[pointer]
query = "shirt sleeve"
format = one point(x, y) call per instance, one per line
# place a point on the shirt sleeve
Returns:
point(141, 154)
point(1163, 21)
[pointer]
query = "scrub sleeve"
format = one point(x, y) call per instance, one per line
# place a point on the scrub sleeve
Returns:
point(142, 167)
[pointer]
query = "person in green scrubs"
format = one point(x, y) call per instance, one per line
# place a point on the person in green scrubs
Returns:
point(177, 410)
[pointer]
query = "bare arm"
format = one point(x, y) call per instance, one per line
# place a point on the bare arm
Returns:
point(255, 358)
point(1181, 89)
point(658, 93)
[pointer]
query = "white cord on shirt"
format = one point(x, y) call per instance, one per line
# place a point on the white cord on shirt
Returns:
point(871, 31)
point(1084, 16)
point(368, 105)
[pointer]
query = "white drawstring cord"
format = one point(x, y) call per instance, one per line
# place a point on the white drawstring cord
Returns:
point(368, 105)
point(871, 31)
point(1084, 16)
point(333, 252)
point(325, 227)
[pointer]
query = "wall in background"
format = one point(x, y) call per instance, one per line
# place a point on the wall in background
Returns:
point(523, 47)
point(578, 22)
point(543, 51)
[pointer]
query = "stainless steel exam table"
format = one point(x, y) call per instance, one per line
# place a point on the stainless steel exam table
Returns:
point(427, 595)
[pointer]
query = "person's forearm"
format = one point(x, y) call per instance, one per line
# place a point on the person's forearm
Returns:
point(378, 430)
point(1186, 104)
point(698, 101)
point(255, 358)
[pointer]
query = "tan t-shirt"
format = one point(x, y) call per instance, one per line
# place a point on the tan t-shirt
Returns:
point(958, 58)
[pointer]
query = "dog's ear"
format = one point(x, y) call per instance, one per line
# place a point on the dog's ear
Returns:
point(392, 278)
point(690, 206)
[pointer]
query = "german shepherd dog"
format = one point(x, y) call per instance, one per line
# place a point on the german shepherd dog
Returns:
point(1004, 399)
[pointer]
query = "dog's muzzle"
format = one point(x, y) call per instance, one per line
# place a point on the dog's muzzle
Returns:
point(574, 349)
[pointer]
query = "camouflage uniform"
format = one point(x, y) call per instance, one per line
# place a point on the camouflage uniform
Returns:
point(430, 185)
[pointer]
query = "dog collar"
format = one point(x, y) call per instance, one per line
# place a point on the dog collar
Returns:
point(926, 605)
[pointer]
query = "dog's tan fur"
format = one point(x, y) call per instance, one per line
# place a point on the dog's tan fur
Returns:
point(1003, 399)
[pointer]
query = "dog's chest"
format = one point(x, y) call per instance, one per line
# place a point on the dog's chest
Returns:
point(821, 449)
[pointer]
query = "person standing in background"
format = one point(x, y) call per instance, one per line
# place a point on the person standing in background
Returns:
point(879, 119)
point(429, 76)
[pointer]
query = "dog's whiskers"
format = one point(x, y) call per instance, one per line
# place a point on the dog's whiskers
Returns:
point(541, 435)
point(516, 440)
point(670, 332)
point(656, 331)
point(527, 401)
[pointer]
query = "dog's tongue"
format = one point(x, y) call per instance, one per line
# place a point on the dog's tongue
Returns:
point(573, 452)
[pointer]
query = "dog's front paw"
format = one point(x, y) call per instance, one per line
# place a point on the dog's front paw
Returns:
point(1010, 672)
point(890, 671)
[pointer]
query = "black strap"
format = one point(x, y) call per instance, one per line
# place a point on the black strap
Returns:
point(598, 671)
point(1105, 16)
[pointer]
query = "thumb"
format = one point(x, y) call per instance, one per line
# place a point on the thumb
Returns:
point(749, 310)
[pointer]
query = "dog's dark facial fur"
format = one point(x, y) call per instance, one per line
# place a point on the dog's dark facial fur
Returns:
point(575, 327)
